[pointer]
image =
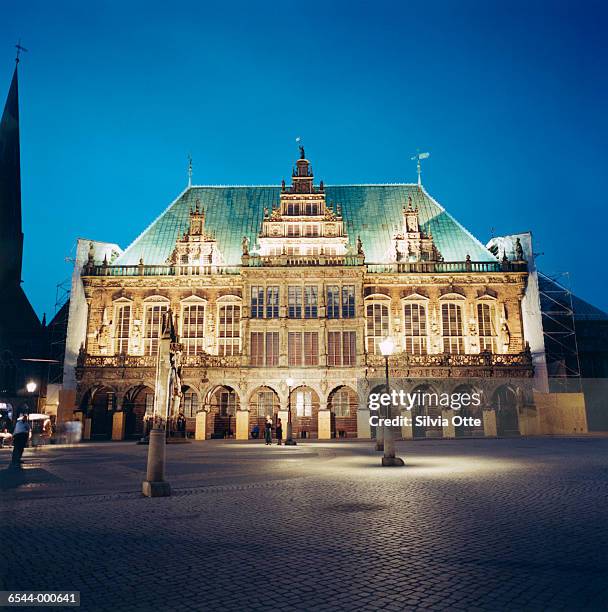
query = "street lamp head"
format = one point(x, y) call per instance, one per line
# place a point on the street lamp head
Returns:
point(31, 386)
point(387, 346)
point(290, 382)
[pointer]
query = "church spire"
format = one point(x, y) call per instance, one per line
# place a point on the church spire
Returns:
point(11, 235)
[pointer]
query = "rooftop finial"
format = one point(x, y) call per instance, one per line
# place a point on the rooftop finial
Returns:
point(19, 49)
point(189, 170)
point(418, 157)
point(301, 147)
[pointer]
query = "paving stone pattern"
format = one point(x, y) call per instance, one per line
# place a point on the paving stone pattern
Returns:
point(467, 525)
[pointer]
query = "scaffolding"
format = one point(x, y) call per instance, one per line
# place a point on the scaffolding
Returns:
point(58, 329)
point(561, 349)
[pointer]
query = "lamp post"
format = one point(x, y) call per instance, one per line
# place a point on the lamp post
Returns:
point(31, 387)
point(289, 441)
point(387, 347)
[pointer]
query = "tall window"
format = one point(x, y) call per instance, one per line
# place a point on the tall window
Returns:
point(341, 348)
point(227, 402)
point(303, 403)
point(451, 319)
point(190, 406)
point(193, 328)
point(377, 326)
point(311, 230)
point(267, 403)
point(122, 329)
point(485, 322)
point(272, 302)
point(340, 302)
point(414, 324)
point(265, 348)
point(154, 319)
point(294, 302)
point(257, 302)
point(293, 229)
point(303, 348)
point(311, 294)
point(229, 330)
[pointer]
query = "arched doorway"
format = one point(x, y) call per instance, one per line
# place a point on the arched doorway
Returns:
point(264, 402)
point(190, 406)
point(504, 402)
point(304, 412)
point(343, 403)
point(426, 404)
point(475, 412)
point(223, 403)
point(138, 401)
point(98, 404)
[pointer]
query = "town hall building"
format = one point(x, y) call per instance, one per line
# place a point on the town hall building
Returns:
point(281, 296)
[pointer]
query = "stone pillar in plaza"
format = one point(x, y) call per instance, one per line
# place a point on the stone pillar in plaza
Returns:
point(242, 424)
point(200, 431)
point(489, 423)
point(118, 425)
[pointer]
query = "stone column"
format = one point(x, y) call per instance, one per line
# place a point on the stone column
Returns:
point(407, 431)
point(324, 427)
point(489, 423)
point(363, 426)
point(449, 431)
point(284, 416)
point(86, 429)
point(200, 432)
point(118, 425)
point(242, 424)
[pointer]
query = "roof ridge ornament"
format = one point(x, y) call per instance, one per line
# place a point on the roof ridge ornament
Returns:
point(417, 158)
point(189, 170)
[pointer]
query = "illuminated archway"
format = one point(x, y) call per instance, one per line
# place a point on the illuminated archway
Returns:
point(138, 400)
point(343, 403)
point(304, 412)
point(504, 402)
point(427, 406)
point(475, 412)
point(222, 402)
point(99, 404)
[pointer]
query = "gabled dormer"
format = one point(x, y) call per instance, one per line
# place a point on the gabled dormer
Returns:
point(196, 247)
point(303, 224)
point(412, 244)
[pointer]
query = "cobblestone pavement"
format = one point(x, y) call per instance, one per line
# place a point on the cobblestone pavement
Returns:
point(468, 525)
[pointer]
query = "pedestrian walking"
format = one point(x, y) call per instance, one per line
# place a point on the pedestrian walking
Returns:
point(268, 431)
point(21, 435)
point(279, 432)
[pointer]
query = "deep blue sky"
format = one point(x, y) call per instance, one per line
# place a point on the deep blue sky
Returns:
point(510, 98)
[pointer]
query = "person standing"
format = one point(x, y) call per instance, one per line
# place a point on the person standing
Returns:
point(21, 435)
point(268, 431)
point(279, 432)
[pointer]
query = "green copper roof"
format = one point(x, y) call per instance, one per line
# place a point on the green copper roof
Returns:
point(373, 211)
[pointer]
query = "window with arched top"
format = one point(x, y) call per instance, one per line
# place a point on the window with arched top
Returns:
point(122, 326)
point(415, 328)
point(486, 324)
point(451, 327)
point(193, 328)
point(153, 320)
point(377, 324)
point(229, 328)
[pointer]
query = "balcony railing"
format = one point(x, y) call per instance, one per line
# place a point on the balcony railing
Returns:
point(149, 361)
point(159, 270)
point(481, 360)
point(438, 267)
point(257, 261)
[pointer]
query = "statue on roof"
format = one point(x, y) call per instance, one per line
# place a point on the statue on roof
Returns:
point(359, 246)
point(519, 251)
point(302, 154)
point(245, 245)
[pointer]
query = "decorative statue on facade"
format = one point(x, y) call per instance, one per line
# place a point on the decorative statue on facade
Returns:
point(504, 337)
point(359, 246)
point(245, 245)
point(519, 251)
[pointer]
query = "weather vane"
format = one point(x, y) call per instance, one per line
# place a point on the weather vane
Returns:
point(189, 170)
point(19, 49)
point(418, 157)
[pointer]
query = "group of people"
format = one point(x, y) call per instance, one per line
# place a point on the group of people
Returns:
point(255, 432)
